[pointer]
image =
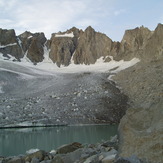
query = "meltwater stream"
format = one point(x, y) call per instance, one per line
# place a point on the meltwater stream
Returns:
point(18, 141)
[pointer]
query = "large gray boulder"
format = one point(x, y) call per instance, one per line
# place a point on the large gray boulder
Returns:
point(68, 148)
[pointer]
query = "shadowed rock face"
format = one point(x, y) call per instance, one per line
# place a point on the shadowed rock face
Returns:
point(62, 47)
point(91, 46)
point(61, 50)
point(25, 44)
point(33, 45)
point(9, 43)
point(82, 47)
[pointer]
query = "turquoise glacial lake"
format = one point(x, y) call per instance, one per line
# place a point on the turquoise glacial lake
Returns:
point(18, 141)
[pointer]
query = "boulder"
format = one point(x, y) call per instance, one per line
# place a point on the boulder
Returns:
point(40, 155)
point(68, 148)
point(141, 134)
point(57, 159)
point(132, 159)
point(109, 159)
point(16, 160)
point(35, 160)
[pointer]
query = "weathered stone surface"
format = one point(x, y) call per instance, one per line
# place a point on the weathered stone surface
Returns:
point(9, 43)
point(35, 160)
point(135, 39)
point(68, 148)
point(16, 160)
point(57, 159)
point(40, 155)
point(33, 45)
point(61, 50)
point(62, 46)
point(132, 159)
point(141, 130)
point(91, 46)
point(83, 47)
point(132, 44)
point(141, 133)
point(109, 159)
point(154, 47)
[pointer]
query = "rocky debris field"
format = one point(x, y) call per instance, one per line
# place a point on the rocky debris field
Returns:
point(30, 98)
point(105, 152)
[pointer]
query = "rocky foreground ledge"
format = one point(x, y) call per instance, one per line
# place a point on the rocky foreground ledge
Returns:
point(105, 152)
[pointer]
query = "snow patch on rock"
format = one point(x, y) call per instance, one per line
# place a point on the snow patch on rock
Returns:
point(65, 35)
point(4, 46)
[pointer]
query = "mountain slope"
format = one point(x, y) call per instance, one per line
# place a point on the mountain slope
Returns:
point(83, 95)
point(141, 129)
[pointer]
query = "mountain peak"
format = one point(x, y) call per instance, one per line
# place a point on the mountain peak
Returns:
point(81, 46)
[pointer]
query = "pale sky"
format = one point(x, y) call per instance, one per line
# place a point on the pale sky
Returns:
point(111, 17)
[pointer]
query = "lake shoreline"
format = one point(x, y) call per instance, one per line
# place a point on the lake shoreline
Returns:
point(52, 125)
point(104, 152)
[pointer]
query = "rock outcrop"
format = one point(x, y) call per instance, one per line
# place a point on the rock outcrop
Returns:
point(33, 45)
point(29, 44)
point(141, 133)
point(154, 47)
point(141, 130)
point(82, 47)
point(91, 46)
point(9, 44)
point(62, 46)
point(133, 43)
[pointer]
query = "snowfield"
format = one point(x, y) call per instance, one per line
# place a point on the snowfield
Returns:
point(44, 94)
point(99, 66)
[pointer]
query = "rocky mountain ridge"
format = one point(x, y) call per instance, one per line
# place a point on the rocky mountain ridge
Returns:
point(140, 130)
point(81, 47)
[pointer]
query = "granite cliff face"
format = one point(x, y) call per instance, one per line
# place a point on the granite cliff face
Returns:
point(141, 129)
point(62, 46)
point(9, 43)
point(91, 46)
point(27, 44)
point(81, 47)
point(154, 47)
point(33, 45)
